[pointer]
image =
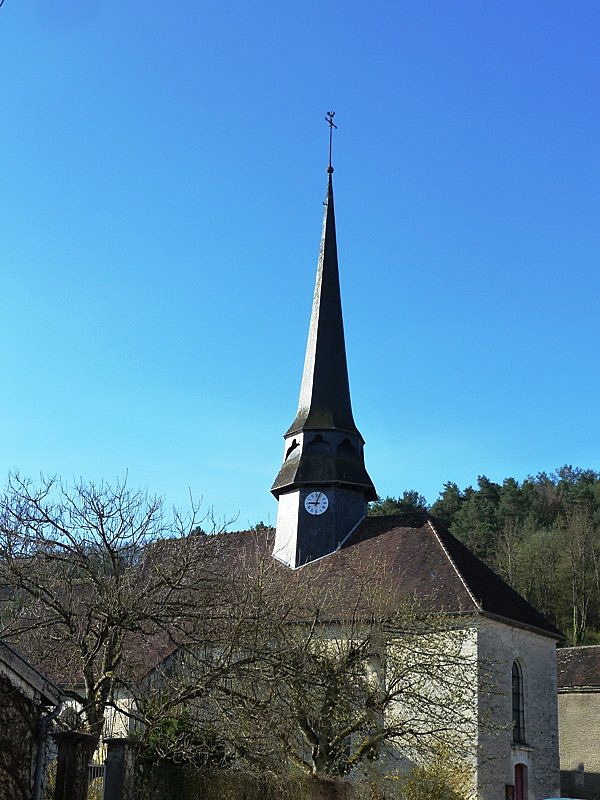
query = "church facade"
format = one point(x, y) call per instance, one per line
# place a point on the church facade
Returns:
point(323, 490)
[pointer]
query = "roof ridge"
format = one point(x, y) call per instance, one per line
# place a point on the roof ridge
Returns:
point(454, 566)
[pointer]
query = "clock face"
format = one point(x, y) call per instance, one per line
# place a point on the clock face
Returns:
point(316, 503)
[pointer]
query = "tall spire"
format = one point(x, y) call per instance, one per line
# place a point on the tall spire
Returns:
point(325, 393)
point(323, 486)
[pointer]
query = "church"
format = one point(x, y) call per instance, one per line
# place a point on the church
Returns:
point(326, 547)
point(323, 490)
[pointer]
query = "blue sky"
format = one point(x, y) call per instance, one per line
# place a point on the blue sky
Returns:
point(163, 170)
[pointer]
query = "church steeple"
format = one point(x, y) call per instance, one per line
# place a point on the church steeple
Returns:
point(325, 392)
point(323, 486)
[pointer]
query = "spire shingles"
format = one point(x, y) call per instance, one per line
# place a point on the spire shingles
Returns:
point(325, 393)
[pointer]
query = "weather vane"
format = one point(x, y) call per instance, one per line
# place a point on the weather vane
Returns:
point(329, 119)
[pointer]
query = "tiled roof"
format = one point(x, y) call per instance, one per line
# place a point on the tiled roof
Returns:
point(407, 556)
point(425, 560)
point(578, 668)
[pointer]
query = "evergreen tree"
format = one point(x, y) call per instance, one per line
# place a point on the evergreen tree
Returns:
point(411, 502)
point(542, 536)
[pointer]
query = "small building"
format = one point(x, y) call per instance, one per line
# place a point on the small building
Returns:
point(28, 702)
point(579, 720)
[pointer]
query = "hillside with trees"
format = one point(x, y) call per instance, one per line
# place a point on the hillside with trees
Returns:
point(541, 535)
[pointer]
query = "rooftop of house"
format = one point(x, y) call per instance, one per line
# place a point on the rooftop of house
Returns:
point(429, 562)
point(402, 556)
point(25, 677)
point(578, 668)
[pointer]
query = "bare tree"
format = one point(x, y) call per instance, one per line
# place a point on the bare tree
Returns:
point(580, 560)
point(309, 677)
point(231, 657)
point(92, 595)
point(212, 700)
point(397, 687)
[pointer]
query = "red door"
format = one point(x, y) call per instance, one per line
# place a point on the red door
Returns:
point(520, 782)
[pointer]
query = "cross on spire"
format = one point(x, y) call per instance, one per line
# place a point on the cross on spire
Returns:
point(329, 119)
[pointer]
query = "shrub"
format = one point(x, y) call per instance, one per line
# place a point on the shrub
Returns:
point(440, 779)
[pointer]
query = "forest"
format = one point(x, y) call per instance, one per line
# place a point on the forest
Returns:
point(542, 536)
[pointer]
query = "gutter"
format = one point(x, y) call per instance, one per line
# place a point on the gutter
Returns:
point(558, 636)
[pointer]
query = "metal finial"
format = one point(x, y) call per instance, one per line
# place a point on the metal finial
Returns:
point(329, 119)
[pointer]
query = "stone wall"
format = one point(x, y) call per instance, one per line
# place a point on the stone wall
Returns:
point(18, 717)
point(579, 727)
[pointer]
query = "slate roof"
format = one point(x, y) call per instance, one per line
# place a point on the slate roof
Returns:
point(578, 668)
point(324, 403)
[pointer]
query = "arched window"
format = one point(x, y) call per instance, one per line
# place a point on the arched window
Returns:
point(517, 704)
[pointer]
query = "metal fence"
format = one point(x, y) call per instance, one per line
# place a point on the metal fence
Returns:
point(96, 781)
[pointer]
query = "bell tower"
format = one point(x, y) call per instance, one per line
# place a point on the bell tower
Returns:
point(323, 486)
